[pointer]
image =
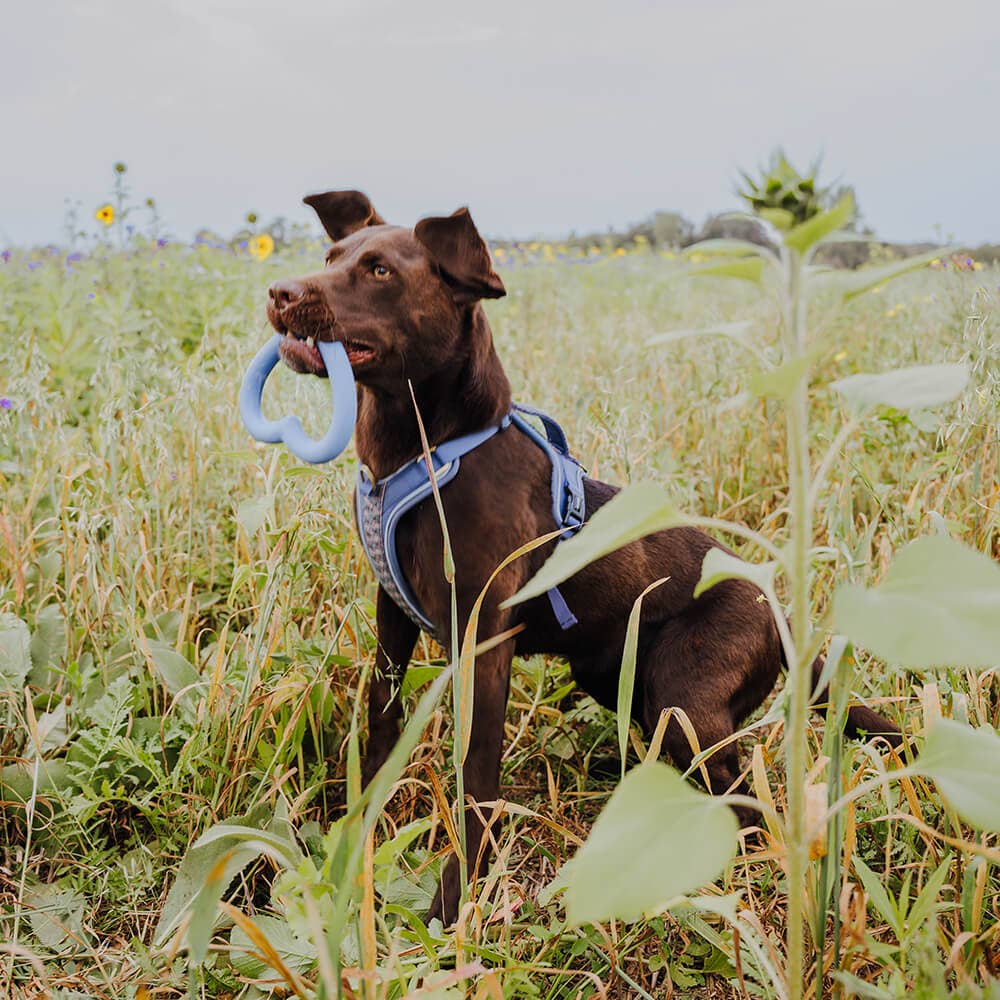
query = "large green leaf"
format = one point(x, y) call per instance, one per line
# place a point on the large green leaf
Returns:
point(657, 837)
point(213, 861)
point(297, 953)
point(727, 248)
point(57, 915)
point(812, 231)
point(15, 653)
point(965, 765)
point(780, 382)
point(252, 513)
point(736, 331)
point(17, 781)
point(937, 606)
point(48, 641)
point(174, 670)
point(913, 388)
point(638, 510)
point(854, 283)
point(52, 729)
point(744, 268)
point(719, 565)
point(780, 218)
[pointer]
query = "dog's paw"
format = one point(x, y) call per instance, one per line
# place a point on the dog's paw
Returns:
point(448, 895)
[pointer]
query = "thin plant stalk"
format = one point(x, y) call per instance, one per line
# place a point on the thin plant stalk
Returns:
point(798, 563)
point(458, 748)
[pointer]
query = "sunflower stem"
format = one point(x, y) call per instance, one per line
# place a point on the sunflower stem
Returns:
point(797, 431)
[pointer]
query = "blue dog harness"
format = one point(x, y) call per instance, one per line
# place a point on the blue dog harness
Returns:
point(380, 506)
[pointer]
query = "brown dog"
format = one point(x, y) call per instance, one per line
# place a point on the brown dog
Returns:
point(406, 305)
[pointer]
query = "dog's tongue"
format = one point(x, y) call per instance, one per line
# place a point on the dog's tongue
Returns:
point(358, 354)
point(316, 359)
point(302, 356)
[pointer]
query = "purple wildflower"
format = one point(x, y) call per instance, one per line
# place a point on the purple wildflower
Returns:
point(161, 243)
point(5, 256)
point(5, 403)
point(90, 296)
point(32, 264)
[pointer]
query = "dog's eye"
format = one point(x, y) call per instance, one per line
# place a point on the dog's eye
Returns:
point(381, 271)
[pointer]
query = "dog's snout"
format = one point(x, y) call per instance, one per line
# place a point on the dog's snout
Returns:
point(287, 292)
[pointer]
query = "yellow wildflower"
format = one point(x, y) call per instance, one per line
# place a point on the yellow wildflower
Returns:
point(977, 265)
point(840, 355)
point(620, 252)
point(261, 246)
point(105, 214)
point(499, 253)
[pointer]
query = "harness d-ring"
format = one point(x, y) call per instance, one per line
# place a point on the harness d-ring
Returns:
point(288, 429)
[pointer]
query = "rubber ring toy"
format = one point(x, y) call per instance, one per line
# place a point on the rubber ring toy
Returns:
point(288, 430)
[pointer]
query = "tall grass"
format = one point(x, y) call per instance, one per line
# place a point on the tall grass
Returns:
point(200, 618)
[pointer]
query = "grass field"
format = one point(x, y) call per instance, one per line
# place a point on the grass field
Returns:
point(198, 614)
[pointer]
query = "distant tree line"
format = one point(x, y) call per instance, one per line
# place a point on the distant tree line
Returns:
point(667, 230)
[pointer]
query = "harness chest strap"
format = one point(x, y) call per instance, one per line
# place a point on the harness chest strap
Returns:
point(380, 505)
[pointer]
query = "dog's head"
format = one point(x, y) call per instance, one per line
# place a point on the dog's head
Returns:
point(397, 298)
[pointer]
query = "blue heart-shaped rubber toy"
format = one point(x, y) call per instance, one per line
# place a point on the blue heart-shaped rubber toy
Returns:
point(289, 429)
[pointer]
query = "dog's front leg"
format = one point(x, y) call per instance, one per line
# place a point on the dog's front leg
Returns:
point(397, 636)
point(481, 773)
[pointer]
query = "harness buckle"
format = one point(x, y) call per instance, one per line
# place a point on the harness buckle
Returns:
point(575, 503)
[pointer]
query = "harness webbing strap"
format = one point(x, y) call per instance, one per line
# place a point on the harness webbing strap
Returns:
point(379, 506)
point(560, 609)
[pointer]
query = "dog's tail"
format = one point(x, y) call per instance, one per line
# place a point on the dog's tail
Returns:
point(862, 722)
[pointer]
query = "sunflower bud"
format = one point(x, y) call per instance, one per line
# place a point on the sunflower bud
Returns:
point(783, 194)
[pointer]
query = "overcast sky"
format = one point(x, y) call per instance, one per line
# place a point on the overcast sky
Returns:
point(542, 116)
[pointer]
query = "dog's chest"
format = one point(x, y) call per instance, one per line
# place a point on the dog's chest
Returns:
point(377, 528)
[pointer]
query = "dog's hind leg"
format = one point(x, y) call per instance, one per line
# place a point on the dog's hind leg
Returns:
point(691, 667)
point(397, 636)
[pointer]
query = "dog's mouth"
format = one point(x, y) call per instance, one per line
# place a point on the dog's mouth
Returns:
point(301, 353)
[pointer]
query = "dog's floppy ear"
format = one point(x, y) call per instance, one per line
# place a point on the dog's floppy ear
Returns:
point(464, 259)
point(343, 212)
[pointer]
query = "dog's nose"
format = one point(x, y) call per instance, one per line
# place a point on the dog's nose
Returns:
point(285, 293)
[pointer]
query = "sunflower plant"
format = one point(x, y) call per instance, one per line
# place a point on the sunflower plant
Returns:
point(937, 607)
